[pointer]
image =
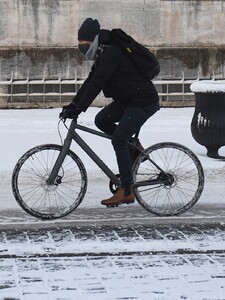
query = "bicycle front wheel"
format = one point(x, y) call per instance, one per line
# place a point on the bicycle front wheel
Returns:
point(185, 184)
point(35, 195)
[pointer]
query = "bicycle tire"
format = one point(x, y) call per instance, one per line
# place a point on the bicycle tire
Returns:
point(38, 198)
point(185, 169)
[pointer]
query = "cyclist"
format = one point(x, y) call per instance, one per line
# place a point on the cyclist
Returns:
point(135, 99)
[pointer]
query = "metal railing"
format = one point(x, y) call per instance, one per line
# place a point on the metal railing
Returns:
point(61, 90)
point(170, 90)
point(12, 88)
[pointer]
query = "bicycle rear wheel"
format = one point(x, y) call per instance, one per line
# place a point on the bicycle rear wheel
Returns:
point(35, 195)
point(184, 170)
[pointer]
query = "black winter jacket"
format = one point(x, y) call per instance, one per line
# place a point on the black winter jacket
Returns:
point(118, 78)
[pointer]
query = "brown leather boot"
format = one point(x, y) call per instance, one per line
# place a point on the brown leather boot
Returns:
point(120, 197)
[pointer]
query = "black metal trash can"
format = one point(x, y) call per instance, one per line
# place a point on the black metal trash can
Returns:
point(208, 123)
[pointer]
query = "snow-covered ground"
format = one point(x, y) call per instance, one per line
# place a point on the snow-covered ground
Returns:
point(147, 276)
point(22, 129)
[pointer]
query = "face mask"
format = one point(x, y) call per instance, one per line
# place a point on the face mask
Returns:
point(84, 48)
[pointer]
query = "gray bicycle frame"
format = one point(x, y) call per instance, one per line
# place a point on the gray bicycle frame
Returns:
point(73, 135)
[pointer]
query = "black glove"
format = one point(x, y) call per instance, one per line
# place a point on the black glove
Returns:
point(70, 111)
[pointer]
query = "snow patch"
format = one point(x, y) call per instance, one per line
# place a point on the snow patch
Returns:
point(203, 121)
point(208, 86)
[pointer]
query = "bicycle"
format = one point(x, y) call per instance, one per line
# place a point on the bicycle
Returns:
point(50, 181)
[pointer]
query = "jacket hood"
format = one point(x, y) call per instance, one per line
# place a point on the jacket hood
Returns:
point(105, 37)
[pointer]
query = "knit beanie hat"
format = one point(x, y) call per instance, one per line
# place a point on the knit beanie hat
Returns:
point(88, 30)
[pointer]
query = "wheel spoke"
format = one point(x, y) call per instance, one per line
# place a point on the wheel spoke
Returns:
point(184, 183)
point(30, 186)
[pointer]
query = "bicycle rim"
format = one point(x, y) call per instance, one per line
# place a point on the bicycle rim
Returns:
point(186, 173)
point(38, 198)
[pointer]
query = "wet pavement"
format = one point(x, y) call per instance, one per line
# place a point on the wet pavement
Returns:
point(126, 214)
point(113, 254)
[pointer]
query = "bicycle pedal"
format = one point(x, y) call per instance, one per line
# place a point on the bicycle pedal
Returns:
point(111, 206)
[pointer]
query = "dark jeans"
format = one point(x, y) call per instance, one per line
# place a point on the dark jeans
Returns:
point(129, 122)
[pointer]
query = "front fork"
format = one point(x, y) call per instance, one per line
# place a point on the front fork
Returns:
point(53, 177)
point(59, 161)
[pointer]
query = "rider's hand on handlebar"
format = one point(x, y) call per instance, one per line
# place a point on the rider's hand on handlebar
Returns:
point(70, 111)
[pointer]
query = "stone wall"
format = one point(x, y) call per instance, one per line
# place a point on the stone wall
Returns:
point(39, 37)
